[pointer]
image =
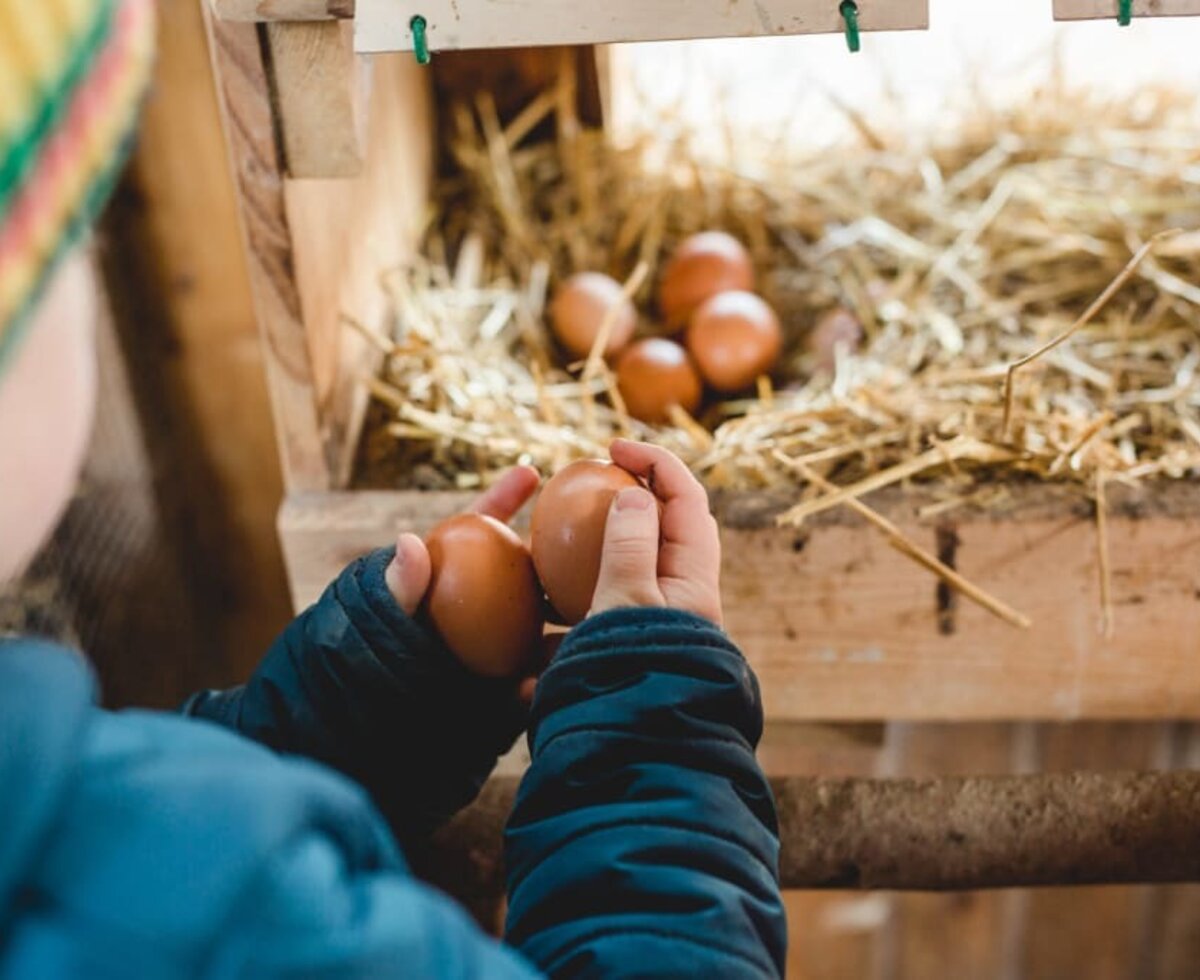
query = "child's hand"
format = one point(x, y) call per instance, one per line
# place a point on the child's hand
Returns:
point(672, 560)
point(409, 573)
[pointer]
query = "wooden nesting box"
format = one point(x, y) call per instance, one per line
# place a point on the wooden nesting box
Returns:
point(334, 187)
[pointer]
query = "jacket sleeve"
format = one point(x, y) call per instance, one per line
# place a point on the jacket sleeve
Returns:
point(355, 683)
point(644, 839)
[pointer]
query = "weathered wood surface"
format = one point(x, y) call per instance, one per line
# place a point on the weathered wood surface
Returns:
point(242, 87)
point(320, 93)
point(1107, 922)
point(839, 626)
point(191, 341)
point(944, 834)
point(317, 248)
point(282, 10)
point(346, 235)
point(383, 25)
point(1107, 9)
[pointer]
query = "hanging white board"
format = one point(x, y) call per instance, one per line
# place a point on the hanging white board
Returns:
point(384, 25)
point(1107, 9)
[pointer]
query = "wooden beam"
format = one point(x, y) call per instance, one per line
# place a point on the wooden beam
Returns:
point(243, 96)
point(945, 834)
point(1107, 9)
point(320, 98)
point(383, 25)
point(347, 235)
point(191, 340)
point(841, 627)
point(282, 10)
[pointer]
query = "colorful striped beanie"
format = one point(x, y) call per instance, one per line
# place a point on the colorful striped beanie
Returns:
point(72, 73)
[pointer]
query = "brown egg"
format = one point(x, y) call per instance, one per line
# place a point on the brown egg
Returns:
point(484, 599)
point(568, 532)
point(839, 328)
point(706, 264)
point(578, 310)
point(734, 337)
point(655, 374)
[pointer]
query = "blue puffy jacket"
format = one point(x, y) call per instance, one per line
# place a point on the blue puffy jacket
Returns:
point(643, 840)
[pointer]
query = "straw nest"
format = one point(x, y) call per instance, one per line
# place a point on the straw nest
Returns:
point(961, 257)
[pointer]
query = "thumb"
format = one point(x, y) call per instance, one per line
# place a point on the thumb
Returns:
point(409, 573)
point(629, 561)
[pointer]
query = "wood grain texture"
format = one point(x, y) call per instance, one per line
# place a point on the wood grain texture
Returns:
point(936, 934)
point(243, 94)
point(281, 10)
point(1092, 932)
point(383, 25)
point(320, 97)
point(192, 346)
point(1107, 9)
point(841, 627)
point(345, 235)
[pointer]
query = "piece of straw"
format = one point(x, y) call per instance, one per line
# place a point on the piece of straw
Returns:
point(898, 540)
point(1100, 302)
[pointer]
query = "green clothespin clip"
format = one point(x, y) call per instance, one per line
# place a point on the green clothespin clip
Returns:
point(420, 44)
point(1124, 12)
point(849, 11)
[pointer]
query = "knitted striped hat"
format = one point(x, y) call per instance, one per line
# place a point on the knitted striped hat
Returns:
point(72, 73)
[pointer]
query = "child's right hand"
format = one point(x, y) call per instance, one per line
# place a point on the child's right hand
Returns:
point(670, 561)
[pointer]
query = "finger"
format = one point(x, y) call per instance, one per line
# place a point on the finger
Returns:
point(629, 559)
point(665, 474)
point(690, 537)
point(508, 494)
point(526, 690)
point(409, 572)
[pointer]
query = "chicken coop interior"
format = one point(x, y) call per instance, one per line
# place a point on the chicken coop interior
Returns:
point(954, 468)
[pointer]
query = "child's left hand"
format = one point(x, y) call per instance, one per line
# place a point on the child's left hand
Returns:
point(409, 573)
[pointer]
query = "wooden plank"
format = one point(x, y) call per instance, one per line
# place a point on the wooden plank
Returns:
point(245, 104)
point(281, 10)
point(347, 234)
point(1107, 9)
point(841, 627)
point(384, 25)
point(320, 96)
point(832, 936)
point(191, 341)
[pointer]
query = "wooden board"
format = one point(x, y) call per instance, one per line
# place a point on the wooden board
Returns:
point(191, 341)
point(839, 626)
point(316, 248)
point(384, 25)
point(281, 10)
point(347, 234)
point(320, 91)
point(1107, 9)
point(242, 89)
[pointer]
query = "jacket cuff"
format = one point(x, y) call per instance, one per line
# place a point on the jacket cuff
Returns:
point(648, 647)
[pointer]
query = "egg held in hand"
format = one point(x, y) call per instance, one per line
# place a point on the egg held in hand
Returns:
point(734, 338)
point(484, 599)
point(653, 375)
point(579, 309)
point(568, 524)
point(706, 264)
